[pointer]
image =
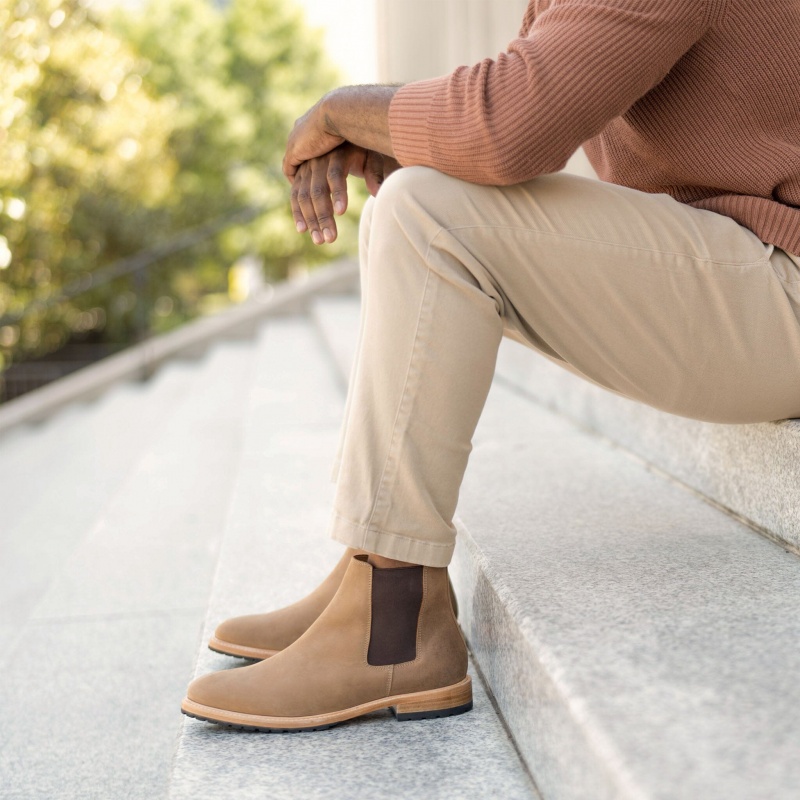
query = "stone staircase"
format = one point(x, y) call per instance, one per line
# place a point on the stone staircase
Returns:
point(632, 636)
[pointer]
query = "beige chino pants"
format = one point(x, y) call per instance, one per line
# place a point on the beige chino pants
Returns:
point(673, 306)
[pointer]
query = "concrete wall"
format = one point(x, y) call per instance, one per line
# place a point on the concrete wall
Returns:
point(424, 38)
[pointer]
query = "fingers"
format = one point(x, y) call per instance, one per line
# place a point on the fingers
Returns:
point(319, 214)
point(299, 180)
point(306, 192)
point(337, 181)
point(377, 169)
point(319, 191)
point(373, 172)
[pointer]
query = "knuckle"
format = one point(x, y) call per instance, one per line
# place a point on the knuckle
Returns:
point(318, 191)
point(303, 195)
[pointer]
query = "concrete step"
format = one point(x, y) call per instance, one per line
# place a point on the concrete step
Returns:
point(641, 627)
point(640, 643)
point(103, 658)
point(337, 319)
point(274, 552)
point(751, 470)
point(190, 340)
point(56, 477)
point(27, 452)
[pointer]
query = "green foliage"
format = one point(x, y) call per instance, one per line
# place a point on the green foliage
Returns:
point(78, 141)
point(117, 132)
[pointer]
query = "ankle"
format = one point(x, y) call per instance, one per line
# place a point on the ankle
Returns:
point(382, 562)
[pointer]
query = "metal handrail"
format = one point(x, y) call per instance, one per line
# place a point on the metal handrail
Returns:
point(141, 260)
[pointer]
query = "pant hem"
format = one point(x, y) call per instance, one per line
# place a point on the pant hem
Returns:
point(390, 545)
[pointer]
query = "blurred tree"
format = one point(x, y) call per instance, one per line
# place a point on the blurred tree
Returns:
point(84, 161)
point(241, 74)
point(118, 131)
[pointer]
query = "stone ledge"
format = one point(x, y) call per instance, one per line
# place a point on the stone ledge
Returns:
point(640, 642)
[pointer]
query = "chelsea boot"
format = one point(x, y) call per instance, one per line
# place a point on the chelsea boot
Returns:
point(387, 639)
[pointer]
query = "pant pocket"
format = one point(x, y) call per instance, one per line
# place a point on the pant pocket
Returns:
point(785, 265)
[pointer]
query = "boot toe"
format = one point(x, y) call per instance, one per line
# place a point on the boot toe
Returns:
point(237, 629)
point(250, 636)
point(221, 690)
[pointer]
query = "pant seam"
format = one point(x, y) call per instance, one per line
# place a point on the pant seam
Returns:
point(390, 460)
point(588, 240)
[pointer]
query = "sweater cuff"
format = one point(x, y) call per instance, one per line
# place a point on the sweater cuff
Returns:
point(409, 113)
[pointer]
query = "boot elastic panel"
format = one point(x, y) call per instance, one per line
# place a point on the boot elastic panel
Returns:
point(396, 603)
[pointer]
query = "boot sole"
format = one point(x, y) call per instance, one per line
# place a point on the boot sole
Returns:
point(239, 650)
point(445, 702)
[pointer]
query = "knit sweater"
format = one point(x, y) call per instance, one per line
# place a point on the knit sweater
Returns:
point(699, 99)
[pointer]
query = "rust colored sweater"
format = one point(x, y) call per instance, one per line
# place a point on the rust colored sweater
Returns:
point(696, 98)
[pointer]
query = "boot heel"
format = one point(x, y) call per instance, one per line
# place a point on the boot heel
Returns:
point(445, 702)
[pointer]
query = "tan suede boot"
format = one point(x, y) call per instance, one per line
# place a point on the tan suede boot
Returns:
point(259, 636)
point(388, 639)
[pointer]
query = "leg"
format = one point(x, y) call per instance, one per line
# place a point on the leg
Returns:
point(679, 308)
point(673, 306)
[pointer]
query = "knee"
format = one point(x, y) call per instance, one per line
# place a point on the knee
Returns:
point(416, 190)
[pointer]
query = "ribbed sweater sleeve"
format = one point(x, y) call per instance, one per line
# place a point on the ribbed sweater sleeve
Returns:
point(581, 64)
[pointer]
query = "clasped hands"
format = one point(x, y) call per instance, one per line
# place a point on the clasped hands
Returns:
point(317, 163)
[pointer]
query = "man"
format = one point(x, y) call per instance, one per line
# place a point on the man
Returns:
point(674, 281)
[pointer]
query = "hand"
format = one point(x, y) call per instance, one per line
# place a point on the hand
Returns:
point(319, 189)
point(309, 139)
point(357, 114)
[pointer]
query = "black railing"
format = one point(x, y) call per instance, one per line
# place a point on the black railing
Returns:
point(25, 376)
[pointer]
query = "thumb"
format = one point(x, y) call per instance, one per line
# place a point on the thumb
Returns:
point(373, 172)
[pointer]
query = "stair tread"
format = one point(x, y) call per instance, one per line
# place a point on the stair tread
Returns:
point(52, 493)
point(167, 513)
point(338, 316)
point(79, 430)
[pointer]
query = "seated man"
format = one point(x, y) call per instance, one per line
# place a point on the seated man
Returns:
point(674, 281)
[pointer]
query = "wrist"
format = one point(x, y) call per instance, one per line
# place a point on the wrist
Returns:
point(328, 107)
point(358, 114)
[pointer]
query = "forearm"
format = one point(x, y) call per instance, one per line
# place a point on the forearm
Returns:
point(360, 115)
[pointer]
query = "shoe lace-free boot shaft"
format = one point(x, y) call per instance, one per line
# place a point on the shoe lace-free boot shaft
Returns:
point(387, 639)
point(259, 636)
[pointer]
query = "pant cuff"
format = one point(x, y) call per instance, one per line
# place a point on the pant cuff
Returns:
point(390, 545)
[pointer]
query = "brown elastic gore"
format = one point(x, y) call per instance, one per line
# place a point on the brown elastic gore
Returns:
point(396, 601)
